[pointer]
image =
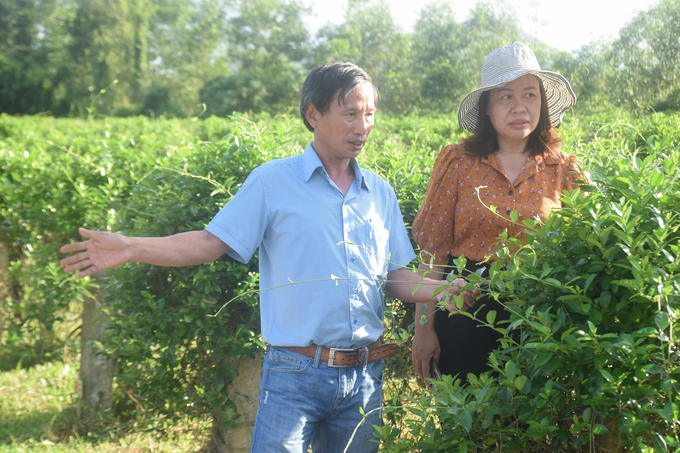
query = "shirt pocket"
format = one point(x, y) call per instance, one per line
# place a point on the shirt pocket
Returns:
point(373, 244)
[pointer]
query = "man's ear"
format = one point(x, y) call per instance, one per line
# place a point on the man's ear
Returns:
point(312, 115)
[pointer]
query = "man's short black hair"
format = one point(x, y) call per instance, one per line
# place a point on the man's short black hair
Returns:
point(322, 84)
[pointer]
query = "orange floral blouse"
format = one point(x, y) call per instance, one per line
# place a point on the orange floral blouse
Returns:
point(453, 222)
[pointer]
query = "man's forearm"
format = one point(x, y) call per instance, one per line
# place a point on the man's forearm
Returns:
point(408, 286)
point(183, 249)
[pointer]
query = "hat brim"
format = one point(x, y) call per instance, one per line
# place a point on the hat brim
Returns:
point(559, 95)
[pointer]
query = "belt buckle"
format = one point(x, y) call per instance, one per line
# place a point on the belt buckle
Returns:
point(331, 357)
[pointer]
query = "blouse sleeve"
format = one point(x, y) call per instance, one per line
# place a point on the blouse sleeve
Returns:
point(433, 226)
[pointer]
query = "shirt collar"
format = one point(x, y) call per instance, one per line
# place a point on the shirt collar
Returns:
point(311, 162)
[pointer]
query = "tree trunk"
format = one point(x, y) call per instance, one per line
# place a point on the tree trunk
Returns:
point(4, 278)
point(96, 370)
point(610, 442)
point(246, 384)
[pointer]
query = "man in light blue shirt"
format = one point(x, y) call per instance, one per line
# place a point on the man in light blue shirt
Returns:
point(331, 239)
point(337, 248)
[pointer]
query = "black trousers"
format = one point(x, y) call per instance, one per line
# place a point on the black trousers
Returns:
point(465, 343)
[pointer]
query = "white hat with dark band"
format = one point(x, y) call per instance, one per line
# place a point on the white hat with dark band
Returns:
point(507, 64)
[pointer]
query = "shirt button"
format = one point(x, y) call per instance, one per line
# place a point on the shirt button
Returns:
point(510, 192)
point(353, 259)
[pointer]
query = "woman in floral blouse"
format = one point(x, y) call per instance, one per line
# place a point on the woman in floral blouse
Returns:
point(513, 162)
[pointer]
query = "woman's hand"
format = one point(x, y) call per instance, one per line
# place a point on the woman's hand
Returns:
point(425, 347)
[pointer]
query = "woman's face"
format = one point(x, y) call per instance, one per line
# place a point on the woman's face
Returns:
point(514, 109)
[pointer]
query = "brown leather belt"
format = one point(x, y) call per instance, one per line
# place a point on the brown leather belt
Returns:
point(341, 358)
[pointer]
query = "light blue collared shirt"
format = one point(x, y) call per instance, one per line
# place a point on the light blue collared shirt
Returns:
point(323, 255)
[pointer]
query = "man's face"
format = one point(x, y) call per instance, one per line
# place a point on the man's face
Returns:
point(341, 133)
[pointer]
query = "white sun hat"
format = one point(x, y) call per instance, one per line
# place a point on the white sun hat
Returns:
point(506, 64)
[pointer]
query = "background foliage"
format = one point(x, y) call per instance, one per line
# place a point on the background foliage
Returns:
point(590, 359)
point(179, 59)
point(595, 293)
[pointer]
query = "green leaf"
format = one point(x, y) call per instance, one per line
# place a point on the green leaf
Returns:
point(423, 317)
point(586, 414)
point(590, 279)
point(491, 316)
point(510, 370)
point(554, 364)
point(667, 386)
point(466, 420)
point(459, 301)
point(578, 307)
point(605, 299)
point(553, 282)
point(668, 255)
point(659, 442)
point(520, 382)
point(591, 328)
point(493, 359)
point(661, 320)
point(546, 270)
point(595, 243)
point(607, 375)
point(656, 179)
point(600, 429)
point(651, 368)
point(542, 359)
point(529, 223)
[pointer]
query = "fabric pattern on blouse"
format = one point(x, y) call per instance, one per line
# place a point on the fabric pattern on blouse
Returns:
point(453, 222)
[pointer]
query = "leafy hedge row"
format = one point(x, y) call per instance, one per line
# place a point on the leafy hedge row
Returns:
point(152, 178)
point(54, 176)
point(595, 293)
point(590, 360)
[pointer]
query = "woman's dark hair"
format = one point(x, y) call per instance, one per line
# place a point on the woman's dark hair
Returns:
point(543, 139)
point(324, 82)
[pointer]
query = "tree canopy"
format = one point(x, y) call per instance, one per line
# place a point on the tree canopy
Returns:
point(175, 58)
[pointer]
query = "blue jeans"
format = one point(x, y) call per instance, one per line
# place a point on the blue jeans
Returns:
point(303, 401)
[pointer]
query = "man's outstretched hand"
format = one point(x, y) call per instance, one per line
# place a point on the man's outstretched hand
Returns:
point(469, 297)
point(101, 251)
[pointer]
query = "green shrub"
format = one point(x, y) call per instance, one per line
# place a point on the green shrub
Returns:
point(177, 331)
point(57, 175)
point(595, 293)
point(157, 102)
point(589, 361)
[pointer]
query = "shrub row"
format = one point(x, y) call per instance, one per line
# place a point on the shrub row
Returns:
point(590, 358)
point(594, 296)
